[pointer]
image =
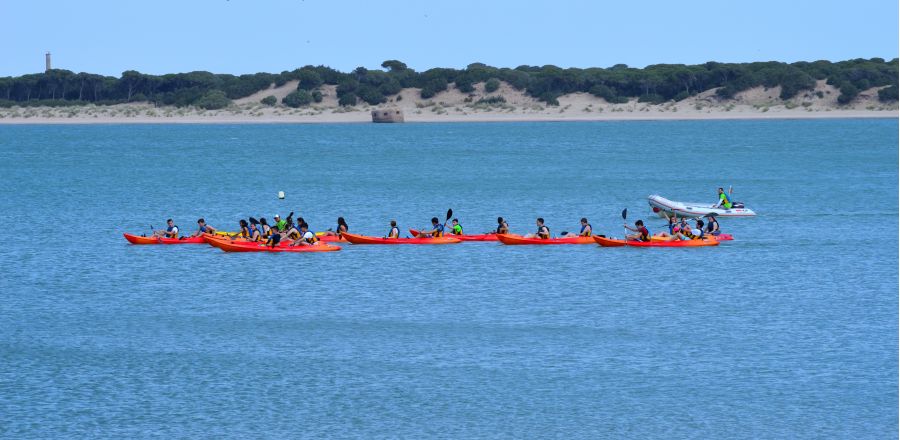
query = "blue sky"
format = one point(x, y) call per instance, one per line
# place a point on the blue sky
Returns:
point(243, 36)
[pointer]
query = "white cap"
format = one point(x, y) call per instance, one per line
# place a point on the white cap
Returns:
point(277, 216)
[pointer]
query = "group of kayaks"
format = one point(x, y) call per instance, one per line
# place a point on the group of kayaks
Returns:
point(231, 244)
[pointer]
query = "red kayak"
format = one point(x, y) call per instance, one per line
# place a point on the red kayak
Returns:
point(612, 242)
point(518, 239)
point(364, 239)
point(464, 237)
point(137, 239)
point(249, 246)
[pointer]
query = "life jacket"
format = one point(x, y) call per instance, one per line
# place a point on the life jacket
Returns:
point(689, 233)
point(245, 232)
point(312, 239)
point(438, 231)
point(391, 233)
point(251, 233)
point(585, 227)
point(725, 199)
point(645, 233)
point(540, 234)
point(204, 229)
point(266, 231)
point(504, 227)
point(457, 230)
point(173, 228)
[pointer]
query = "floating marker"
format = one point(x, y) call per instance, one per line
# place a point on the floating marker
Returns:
point(280, 194)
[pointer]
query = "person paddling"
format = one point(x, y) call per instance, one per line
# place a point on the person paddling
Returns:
point(642, 233)
point(586, 229)
point(502, 226)
point(170, 232)
point(724, 200)
point(456, 228)
point(203, 228)
point(543, 232)
point(437, 229)
point(395, 231)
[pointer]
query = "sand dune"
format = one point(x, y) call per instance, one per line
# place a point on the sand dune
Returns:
point(453, 105)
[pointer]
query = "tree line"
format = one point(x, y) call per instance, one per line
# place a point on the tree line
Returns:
point(617, 84)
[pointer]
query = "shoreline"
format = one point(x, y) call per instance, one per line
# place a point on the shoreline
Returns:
point(481, 118)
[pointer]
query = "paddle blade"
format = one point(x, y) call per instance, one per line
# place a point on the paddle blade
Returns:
point(625, 214)
point(449, 214)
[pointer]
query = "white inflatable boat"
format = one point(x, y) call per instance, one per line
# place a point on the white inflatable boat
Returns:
point(663, 206)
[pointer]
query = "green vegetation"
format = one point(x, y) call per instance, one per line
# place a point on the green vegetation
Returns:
point(269, 100)
point(491, 85)
point(298, 98)
point(213, 100)
point(617, 84)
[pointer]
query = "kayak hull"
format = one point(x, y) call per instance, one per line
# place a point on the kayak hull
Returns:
point(465, 237)
point(720, 237)
point(248, 246)
point(364, 239)
point(612, 242)
point(662, 206)
point(513, 239)
point(137, 239)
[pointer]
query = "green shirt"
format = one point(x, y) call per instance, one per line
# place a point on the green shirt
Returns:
point(457, 230)
point(725, 202)
point(280, 224)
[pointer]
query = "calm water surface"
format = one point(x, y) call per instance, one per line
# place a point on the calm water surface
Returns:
point(790, 331)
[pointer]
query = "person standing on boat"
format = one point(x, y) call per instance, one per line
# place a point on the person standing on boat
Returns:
point(724, 200)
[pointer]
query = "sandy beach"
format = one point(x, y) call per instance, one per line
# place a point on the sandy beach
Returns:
point(455, 106)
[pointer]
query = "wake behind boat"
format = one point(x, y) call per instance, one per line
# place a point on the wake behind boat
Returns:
point(662, 206)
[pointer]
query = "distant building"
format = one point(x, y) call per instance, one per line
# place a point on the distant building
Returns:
point(48, 61)
point(387, 115)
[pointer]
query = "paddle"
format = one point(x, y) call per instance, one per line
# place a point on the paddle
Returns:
point(625, 218)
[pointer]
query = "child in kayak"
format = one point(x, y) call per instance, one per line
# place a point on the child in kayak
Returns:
point(674, 227)
point(437, 229)
point(307, 238)
point(543, 232)
point(203, 228)
point(642, 233)
point(456, 229)
point(170, 232)
point(502, 226)
point(586, 229)
point(395, 231)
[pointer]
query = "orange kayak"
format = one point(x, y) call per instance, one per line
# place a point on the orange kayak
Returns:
point(518, 239)
point(249, 246)
point(365, 239)
point(464, 237)
point(612, 242)
point(137, 239)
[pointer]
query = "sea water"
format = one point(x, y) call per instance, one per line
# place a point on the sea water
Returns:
point(789, 331)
